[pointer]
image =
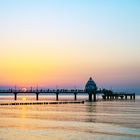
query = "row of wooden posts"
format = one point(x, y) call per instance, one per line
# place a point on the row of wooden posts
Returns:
point(119, 96)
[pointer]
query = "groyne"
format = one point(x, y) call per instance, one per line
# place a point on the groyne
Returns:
point(42, 103)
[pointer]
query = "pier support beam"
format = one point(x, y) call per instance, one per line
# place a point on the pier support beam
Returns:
point(15, 95)
point(57, 96)
point(37, 96)
point(121, 97)
point(125, 97)
point(90, 97)
point(134, 96)
point(107, 97)
point(94, 97)
point(75, 96)
point(116, 97)
point(104, 97)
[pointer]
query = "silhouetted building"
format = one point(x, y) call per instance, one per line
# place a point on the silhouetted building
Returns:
point(90, 86)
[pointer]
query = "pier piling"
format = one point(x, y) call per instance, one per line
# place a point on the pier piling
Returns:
point(15, 96)
point(75, 96)
point(94, 97)
point(37, 96)
point(90, 97)
point(57, 96)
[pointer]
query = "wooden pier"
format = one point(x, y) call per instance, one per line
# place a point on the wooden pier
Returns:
point(90, 89)
point(56, 92)
point(106, 94)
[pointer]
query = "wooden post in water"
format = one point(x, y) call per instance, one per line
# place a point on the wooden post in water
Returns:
point(107, 97)
point(90, 97)
point(121, 97)
point(37, 94)
point(57, 96)
point(116, 97)
point(94, 96)
point(15, 94)
point(104, 97)
point(125, 97)
point(75, 96)
point(134, 96)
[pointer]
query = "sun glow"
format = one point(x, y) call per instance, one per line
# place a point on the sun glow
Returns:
point(23, 98)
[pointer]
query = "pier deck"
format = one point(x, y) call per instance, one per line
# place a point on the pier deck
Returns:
point(106, 94)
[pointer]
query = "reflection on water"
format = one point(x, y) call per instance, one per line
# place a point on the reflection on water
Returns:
point(90, 121)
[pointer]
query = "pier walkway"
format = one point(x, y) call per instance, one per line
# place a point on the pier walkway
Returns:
point(106, 94)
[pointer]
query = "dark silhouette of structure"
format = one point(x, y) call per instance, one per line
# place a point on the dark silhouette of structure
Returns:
point(90, 89)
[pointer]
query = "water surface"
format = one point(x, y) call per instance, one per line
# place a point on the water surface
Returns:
point(118, 120)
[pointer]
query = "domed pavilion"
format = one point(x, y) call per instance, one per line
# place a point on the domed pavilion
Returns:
point(91, 88)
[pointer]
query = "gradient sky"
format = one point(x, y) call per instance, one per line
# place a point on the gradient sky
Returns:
point(64, 42)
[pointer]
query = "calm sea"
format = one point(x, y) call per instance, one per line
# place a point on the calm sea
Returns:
point(102, 120)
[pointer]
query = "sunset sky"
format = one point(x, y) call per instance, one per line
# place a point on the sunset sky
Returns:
point(63, 42)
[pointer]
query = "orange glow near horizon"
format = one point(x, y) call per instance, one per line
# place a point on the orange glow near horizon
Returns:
point(23, 98)
point(21, 69)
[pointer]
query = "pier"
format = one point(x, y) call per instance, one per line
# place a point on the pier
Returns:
point(90, 89)
point(57, 92)
point(91, 94)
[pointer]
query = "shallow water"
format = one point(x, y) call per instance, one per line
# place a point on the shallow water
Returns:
point(118, 120)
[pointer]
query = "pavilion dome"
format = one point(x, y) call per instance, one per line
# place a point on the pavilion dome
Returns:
point(90, 85)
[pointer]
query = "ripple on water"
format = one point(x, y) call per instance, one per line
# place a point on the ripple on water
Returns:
point(101, 120)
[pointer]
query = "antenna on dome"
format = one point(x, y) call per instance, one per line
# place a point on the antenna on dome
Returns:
point(90, 78)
